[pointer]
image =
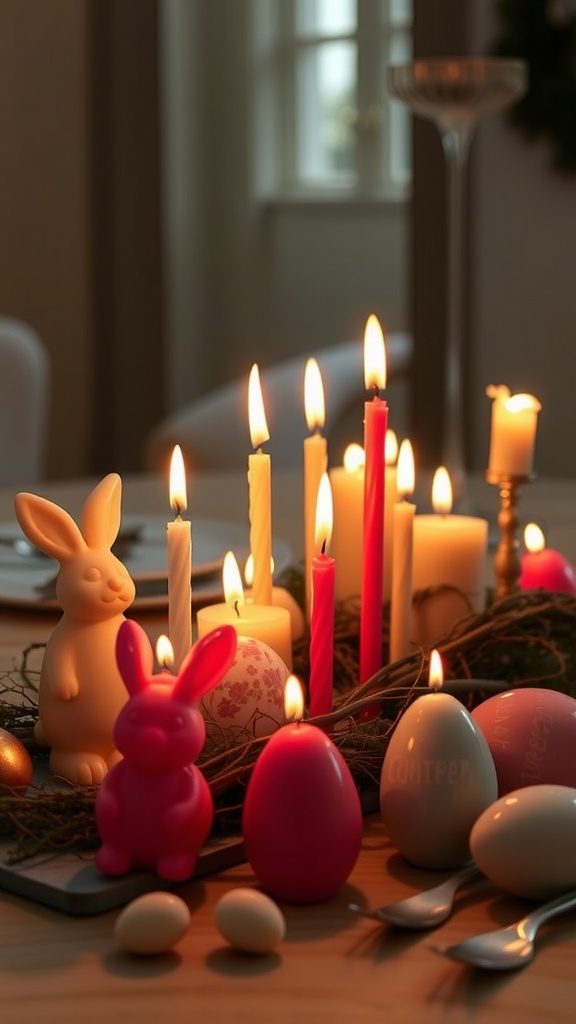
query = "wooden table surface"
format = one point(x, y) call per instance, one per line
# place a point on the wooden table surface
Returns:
point(332, 967)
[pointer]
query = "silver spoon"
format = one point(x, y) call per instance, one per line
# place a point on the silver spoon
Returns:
point(425, 909)
point(510, 947)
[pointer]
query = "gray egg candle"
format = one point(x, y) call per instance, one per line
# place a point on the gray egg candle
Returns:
point(438, 776)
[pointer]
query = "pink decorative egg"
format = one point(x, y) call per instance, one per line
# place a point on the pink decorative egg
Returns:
point(249, 701)
point(531, 734)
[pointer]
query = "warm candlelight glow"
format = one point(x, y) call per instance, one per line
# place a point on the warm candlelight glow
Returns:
point(249, 570)
point(405, 469)
point(521, 402)
point(390, 448)
point(256, 414)
point(354, 458)
point(314, 396)
point(324, 514)
point(178, 500)
point(293, 699)
point(533, 538)
point(374, 355)
point(164, 652)
point(232, 581)
point(436, 677)
point(442, 491)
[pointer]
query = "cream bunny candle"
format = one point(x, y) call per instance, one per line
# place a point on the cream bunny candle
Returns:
point(154, 809)
point(260, 509)
point(81, 691)
point(375, 424)
point(269, 623)
point(315, 461)
point(179, 563)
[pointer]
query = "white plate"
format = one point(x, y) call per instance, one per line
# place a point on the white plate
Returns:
point(23, 578)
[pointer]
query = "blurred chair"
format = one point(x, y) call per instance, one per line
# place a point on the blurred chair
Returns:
point(24, 402)
point(213, 431)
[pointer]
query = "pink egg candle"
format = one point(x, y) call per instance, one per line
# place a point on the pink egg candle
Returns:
point(302, 820)
point(543, 567)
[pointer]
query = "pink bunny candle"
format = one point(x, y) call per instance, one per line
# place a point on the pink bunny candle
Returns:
point(81, 690)
point(154, 809)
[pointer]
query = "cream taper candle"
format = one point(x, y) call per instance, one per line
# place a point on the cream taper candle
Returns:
point(315, 460)
point(260, 491)
point(401, 603)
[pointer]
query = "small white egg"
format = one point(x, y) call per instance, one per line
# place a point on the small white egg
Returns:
point(250, 921)
point(525, 842)
point(152, 924)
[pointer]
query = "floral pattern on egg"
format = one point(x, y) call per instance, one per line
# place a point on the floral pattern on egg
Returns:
point(249, 702)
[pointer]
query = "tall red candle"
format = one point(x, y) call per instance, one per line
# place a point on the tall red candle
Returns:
point(375, 424)
point(322, 607)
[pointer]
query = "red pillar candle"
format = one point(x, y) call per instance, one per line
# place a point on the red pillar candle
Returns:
point(322, 607)
point(302, 820)
point(375, 424)
point(543, 567)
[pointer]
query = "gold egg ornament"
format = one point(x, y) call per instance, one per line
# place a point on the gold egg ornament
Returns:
point(15, 764)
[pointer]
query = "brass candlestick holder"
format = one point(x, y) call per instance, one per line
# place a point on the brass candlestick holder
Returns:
point(507, 564)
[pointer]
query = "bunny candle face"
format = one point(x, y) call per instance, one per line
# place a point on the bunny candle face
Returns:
point(96, 584)
point(154, 809)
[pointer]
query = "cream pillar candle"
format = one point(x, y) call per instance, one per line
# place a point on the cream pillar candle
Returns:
point(281, 598)
point(262, 622)
point(401, 603)
point(179, 564)
point(315, 461)
point(260, 491)
point(449, 550)
point(512, 433)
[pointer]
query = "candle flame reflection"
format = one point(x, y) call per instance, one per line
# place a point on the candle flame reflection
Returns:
point(354, 458)
point(324, 514)
point(374, 355)
point(232, 581)
point(178, 499)
point(256, 414)
point(436, 677)
point(442, 491)
point(164, 652)
point(405, 469)
point(390, 448)
point(293, 699)
point(314, 396)
point(533, 538)
point(249, 570)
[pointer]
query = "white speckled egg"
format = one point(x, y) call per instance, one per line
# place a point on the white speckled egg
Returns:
point(525, 842)
point(250, 920)
point(152, 924)
point(249, 701)
point(437, 777)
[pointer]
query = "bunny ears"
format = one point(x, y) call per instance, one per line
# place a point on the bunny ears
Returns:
point(204, 666)
point(54, 531)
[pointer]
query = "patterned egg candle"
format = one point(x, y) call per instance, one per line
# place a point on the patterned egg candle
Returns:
point(249, 701)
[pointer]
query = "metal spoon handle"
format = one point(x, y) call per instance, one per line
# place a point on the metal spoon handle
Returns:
point(532, 922)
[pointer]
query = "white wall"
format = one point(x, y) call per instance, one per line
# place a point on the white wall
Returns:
point(524, 284)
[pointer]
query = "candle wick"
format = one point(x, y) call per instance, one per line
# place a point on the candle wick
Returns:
point(236, 608)
point(323, 548)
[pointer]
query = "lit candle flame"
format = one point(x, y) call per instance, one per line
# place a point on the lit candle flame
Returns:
point(405, 482)
point(232, 581)
point(436, 677)
point(534, 538)
point(354, 458)
point(164, 652)
point(374, 355)
point(293, 699)
point(178, 499)
point(390, 448)
point(513, 403)
point(314, 396)
point(324, 514)
point(256, 414)
point(442, 491)
point(249, 570)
